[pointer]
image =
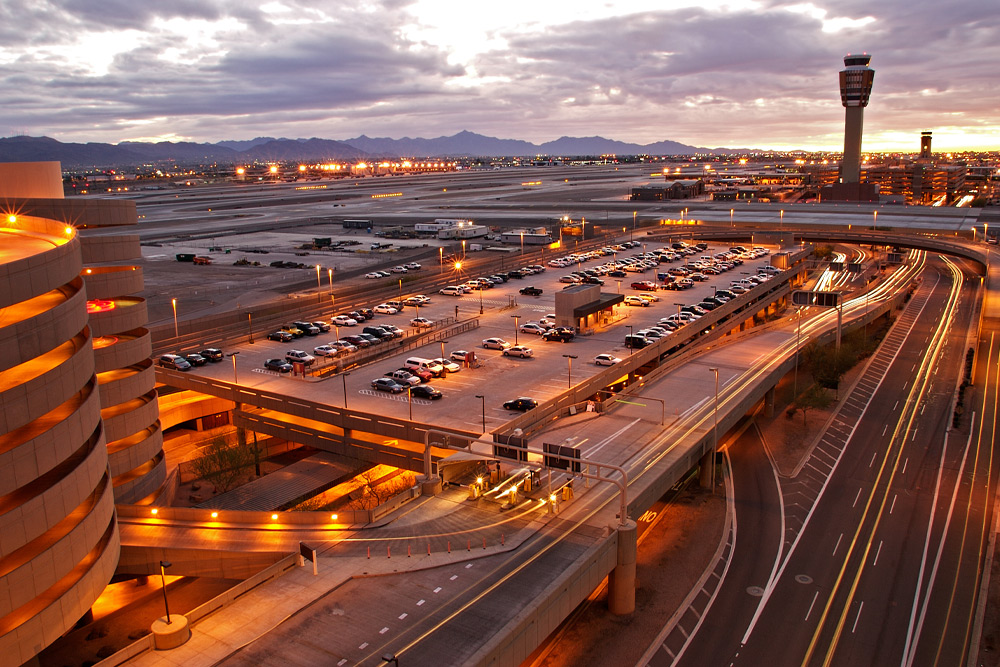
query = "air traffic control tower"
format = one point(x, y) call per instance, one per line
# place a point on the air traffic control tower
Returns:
point(855, 89)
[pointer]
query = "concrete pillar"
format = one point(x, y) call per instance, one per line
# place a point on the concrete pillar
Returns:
point(621, 581)
point(706, 474)
point(769, 403)
point(429, 486)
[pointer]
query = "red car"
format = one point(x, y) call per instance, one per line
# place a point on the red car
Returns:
point(644, 285)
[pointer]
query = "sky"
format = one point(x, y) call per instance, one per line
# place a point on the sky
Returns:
point(714, 73)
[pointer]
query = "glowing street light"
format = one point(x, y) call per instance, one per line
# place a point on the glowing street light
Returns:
point(516, 318)
point(236, 378)
point(441, 258)
point(329, 274)
point(173, 302)
point(319, 285)
point(731, 223)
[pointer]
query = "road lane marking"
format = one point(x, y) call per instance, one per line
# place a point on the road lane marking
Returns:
point(903, 471)
point(403, 615)
point(363, 646)
point(877, 552)
point(421, 602)
point(468, 566)
point(874, 454)
point(453, 577)
point(893, 503)
point(811, 604)
point(896, 405)
point(854, 504)
point(884, 430)
point(437, 590)
point(835, 547)
point(384, 630)
point(856, 618)
point(342, 663)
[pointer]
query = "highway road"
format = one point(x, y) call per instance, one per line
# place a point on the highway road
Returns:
point(882, 568)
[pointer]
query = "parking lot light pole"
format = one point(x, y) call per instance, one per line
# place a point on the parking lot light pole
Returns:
point(516, 318)
point(409, 399)
point(250, 326)
point(232, 355)
point(480, 299)
point(569, 370)
point(442, 349)
point(483, 398)
point(343, 377)
point(173, 302)
point(329, 274)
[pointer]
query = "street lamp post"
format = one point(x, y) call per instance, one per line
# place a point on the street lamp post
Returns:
point(874, 220)
point(409, 399)
point(569, 369)
point(483, 398)
point(516, 318)
point(329, 274)
point(173, 302)
point(343, 377)
point(319, 285)
point(715, 425)
point(442, 348)
point(480, 299)
point(522, 244)
point(163, 584)
point(731, 223)
point(232, 355)
point(400, 290)
point(250, 326)
point(633, 225)
point(441, 259)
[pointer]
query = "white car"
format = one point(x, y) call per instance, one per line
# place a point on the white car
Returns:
point(452, 290)
point(398, 269)
point(385, 309)
point(374, 275)
point(518, 351)
point(345, 321)
point(606, 360)
point(412, 266)
point(449, 365)
point(421, 323)
point(571, 279)
point(326, 351)
point(632, 300)
point(532, 327)
point(548, 321)
point(496, 344)
point(344, 346)
point(457, 355)
point(293, 356)
point(419, 299)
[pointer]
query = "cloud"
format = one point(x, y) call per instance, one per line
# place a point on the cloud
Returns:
point(737, 74)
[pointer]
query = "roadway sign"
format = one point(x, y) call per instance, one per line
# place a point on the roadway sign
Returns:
point(836, 266)
point(854, 267)
point(822, 299)
point(895, 258)
point(516, 447)
point(559, 462)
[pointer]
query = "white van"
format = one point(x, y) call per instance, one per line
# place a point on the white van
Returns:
point(429, 365)
point(451, 290)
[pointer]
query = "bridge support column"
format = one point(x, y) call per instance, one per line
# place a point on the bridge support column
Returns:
point(706, 474)
point(429, 486)
point(621, 581)
point(769, 403)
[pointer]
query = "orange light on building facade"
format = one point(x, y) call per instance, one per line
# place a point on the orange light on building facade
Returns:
point(100, 306)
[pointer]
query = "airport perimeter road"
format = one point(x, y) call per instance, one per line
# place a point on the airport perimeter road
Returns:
point(859, 575)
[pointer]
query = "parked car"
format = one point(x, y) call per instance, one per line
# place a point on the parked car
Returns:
point(212, 354)
point(345, 321)
point(560, 335)
point(458, 355)
point(426, 391)
point(531, 291)
point(532, 328)
point(448, 365)
point(294, 330)
point(403, 377)
point(326, 351)
point(278, 365)
point(174, 362)
point(632, 300)
point(387, 384)
point(344, 346)
point(495, 344)
point(195, 359)
point(644, 285)
point(300, 356)
point(518, 351)
point(385, 309)
point(357, 316)
point(280, 336)
point(398, 269)
point(424, 374)
point(523, 404)
point(412, 266)
point(374, 275)
point(357, 341)
point(452, 290)
point(421, 323)
point(606, 360)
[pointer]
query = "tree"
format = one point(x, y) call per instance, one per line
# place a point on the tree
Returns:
point(815, 397)
point(223, 463)
point(827, 364)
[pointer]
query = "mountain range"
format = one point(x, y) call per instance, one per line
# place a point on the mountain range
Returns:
point(265, 149)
